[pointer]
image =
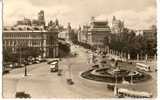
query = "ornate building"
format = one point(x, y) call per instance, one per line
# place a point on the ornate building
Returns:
point(41, 18)
point(45, 41)
point(98, 30)
point(83, 34)
point(40, 21)
point(26, 35)
point(117, 26)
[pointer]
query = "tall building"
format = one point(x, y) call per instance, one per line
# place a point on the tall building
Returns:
point(97, 31)
point(69, 29)
point(45, 41)
point(25, 21)
point(79, 33)
point(63, 34)
point(41, 18)
point(30, 34)
point(117, 26)
point(84, 34)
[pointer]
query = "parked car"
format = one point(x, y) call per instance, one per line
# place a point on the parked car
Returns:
point(43, 60)
point(36, 61)
point(19, 65)
point(110, 87)
point(5, 71)
point(15, 64)
point(8, 65)
point(30, 62)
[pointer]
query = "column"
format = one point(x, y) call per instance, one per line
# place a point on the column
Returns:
point(57, 51)
point(44, 48)
point(128, 56)
point(155, 57)
point(146, 57)
point(137, 57)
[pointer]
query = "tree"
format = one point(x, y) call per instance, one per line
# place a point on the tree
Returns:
point(128, 42)
point(64, 49)
point(8, 56)
point(25, 52)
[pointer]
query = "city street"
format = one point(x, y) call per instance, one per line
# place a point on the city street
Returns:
point(41, 83)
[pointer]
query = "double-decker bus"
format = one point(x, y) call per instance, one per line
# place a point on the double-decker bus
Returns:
point(122, 92)
point(143, 66)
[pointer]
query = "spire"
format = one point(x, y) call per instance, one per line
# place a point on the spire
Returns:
point(92, 18)
point(57, 22)
point(69, 26)
point(79, 27)
point(41, 18)
point(114, 18)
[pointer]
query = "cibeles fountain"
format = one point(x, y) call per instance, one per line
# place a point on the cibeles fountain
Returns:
point(113, 73)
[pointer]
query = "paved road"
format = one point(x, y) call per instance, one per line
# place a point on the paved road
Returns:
point(43, 84)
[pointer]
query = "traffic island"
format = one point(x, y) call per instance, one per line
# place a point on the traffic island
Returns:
point(113, 75)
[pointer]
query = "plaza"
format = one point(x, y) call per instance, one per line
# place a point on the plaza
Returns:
point(40, 83)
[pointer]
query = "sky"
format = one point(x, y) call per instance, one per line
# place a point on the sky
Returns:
point(137, 14)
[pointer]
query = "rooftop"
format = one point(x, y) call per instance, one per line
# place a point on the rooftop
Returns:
point(26, 28)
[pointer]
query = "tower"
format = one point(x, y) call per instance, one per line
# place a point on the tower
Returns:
point(57, 22)
point(41, 18)
point(114, 18)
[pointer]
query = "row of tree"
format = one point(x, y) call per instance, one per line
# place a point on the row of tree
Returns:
point(23, 52)
point(64, 49)
point(129, 42)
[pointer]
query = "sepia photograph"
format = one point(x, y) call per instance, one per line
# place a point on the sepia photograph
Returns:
point(79, 49)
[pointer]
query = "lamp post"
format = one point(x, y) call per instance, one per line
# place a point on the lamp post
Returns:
point(69, 80)
point(25, 70)
point(20, 55)
point(115, 87)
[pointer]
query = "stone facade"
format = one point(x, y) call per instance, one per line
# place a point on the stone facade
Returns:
point(117, 26)
point(43, 40)
point(97, 32)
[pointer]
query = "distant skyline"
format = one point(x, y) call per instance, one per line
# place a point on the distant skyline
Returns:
point(137, 14)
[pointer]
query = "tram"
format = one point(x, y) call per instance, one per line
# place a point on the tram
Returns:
point(126, 93)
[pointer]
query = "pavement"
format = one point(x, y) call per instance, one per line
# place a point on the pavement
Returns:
point(40, 83)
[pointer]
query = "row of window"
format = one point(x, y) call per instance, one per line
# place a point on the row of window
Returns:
point(21, 35)
point(27, 43)
point(16, 35)
point(28, 35)
point(21, 42)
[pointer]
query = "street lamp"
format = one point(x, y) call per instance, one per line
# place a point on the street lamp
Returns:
point(115, 87)
point(69, 80)
point(25, 70)
point(131, 74)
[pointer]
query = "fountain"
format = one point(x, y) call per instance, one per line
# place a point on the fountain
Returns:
point(111, 73)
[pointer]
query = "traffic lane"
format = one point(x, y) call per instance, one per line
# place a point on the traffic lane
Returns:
point(9, 87)
point(82, 86)
point(11, 81)
point(151, 84)
point(42, 83)
point(96, 90)
point(45, 85)
point(29, 68)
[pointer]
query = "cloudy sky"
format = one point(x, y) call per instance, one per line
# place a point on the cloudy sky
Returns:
point(137, 14)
